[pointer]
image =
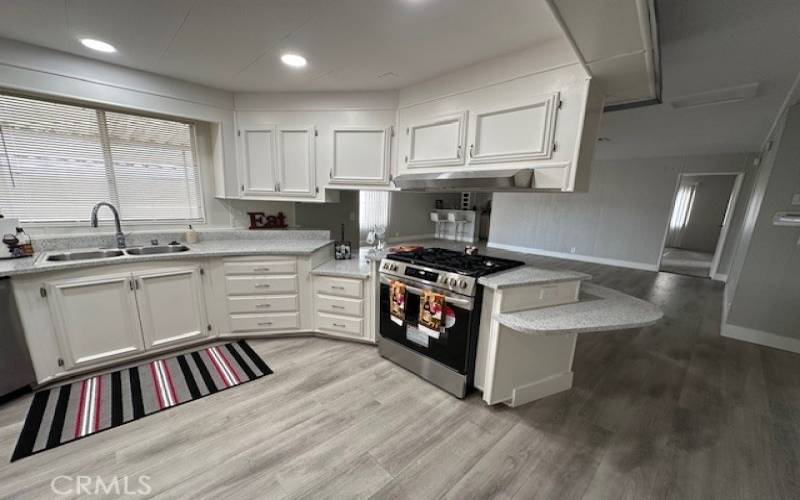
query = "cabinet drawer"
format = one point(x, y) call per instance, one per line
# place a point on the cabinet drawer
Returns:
point(260, 267)
point(250, 285)
point(339, 324)
point(264, 322)
point(342, 287)
point(266, 304)
point(337, 305)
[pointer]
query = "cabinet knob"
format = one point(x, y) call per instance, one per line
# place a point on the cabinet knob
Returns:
point(472, 151)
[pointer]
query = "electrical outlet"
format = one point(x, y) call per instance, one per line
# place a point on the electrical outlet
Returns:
point(572, 250)
point(796, 199)
point(352, 216)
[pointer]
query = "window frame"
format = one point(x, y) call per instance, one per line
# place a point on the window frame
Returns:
point(102, 107)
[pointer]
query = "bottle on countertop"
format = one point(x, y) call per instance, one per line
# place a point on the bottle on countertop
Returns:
point(191, 235)
point(24, 245)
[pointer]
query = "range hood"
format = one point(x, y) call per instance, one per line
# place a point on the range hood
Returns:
point(515, 180)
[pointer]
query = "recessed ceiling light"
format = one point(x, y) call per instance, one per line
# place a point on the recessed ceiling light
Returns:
point(98, 45)
point(294, 60)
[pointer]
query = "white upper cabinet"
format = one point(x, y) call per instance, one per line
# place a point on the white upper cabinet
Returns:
point(437, 142)
point(521, 131)
point(95, 318)
point(259, 172)
point(297, 161)
point(545, 122)
point(361, 155)
point(277, 161)
point(171, 306)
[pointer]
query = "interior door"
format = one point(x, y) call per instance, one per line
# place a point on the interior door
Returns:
point(95, 318)
point(361, 155)
point(438, 142)
point(171, 306)
point(297, 161)
point(519, 131)
point(258, 147)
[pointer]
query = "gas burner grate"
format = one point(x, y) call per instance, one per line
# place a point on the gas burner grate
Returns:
point(455, 262)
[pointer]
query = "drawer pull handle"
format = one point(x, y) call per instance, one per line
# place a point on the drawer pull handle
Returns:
point(262, 285)
point(265, 269)
point(334, 306)
point(265, 323)
point(337, 287)
point(263, 305)
point(338, 325)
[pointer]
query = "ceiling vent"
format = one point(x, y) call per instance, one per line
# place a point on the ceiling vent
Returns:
point(713, 97)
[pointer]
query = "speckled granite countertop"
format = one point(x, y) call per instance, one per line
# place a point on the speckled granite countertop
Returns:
point(360, 266)
point(281, 243)
point(598, 309)
point(528, 275)
point(352, 268)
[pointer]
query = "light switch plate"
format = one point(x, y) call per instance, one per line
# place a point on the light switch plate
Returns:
point(796, 199)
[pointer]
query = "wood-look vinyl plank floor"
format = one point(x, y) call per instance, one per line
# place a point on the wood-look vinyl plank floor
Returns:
point(669, 411)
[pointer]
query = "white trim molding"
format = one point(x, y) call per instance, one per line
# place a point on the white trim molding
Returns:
point(642, 266)
point(760, 337)
point(720, 277)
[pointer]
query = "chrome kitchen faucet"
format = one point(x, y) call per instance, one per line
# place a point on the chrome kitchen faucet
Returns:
point(120, 235)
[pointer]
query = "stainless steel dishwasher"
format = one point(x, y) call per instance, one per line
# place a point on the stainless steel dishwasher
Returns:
point(16, 369)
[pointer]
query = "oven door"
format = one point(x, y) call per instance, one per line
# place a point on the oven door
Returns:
point(453, 346)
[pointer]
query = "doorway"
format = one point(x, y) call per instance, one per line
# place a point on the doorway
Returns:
point(702, 210)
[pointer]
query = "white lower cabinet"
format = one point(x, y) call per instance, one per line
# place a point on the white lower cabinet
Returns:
point(105, 317)
point(171, 306)
point(341, 307)
point(95, 318)
point(262, 295)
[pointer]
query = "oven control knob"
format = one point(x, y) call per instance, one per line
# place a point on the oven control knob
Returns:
point(453, 282)
point(462, 284)
point(393, 267)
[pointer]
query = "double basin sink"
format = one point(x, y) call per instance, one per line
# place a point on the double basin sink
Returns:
point(111, 253)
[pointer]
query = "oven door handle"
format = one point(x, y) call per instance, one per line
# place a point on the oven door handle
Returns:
point(463, 303)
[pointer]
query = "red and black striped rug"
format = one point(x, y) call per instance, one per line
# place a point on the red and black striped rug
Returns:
point(73, 411)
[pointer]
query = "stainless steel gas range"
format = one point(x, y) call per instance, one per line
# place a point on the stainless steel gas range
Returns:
point(446, 358)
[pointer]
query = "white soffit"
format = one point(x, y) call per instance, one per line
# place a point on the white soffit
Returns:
point(617, 40)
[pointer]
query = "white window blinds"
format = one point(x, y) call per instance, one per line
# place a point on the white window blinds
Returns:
point(58, 160)
point(373, 210)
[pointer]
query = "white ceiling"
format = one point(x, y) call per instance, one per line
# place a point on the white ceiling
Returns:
point(235, 44)
point(708, 45)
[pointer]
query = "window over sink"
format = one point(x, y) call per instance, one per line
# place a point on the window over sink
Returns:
point(57, 160)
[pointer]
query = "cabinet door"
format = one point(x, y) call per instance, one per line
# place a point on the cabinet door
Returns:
point(515, 132)
point(95, 318)
point(258, 148)
point(171, 306)
point(361, 155)
point(437, 143)
point(297, 161)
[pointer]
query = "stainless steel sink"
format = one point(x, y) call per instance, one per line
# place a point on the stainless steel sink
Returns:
point(85, 255)
point(155, 250)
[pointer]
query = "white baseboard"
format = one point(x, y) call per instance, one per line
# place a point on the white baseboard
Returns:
point(572, 256)
point(720, 277)
point(540, 389)
point(761, 337)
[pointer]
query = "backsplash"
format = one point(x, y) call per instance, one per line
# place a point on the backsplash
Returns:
point(50, 243)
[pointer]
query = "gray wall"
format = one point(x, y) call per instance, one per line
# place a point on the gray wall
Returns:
point(764, 294)
point(409, 213)
point(331, 216)
point(623, 216)
point(708, 211)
